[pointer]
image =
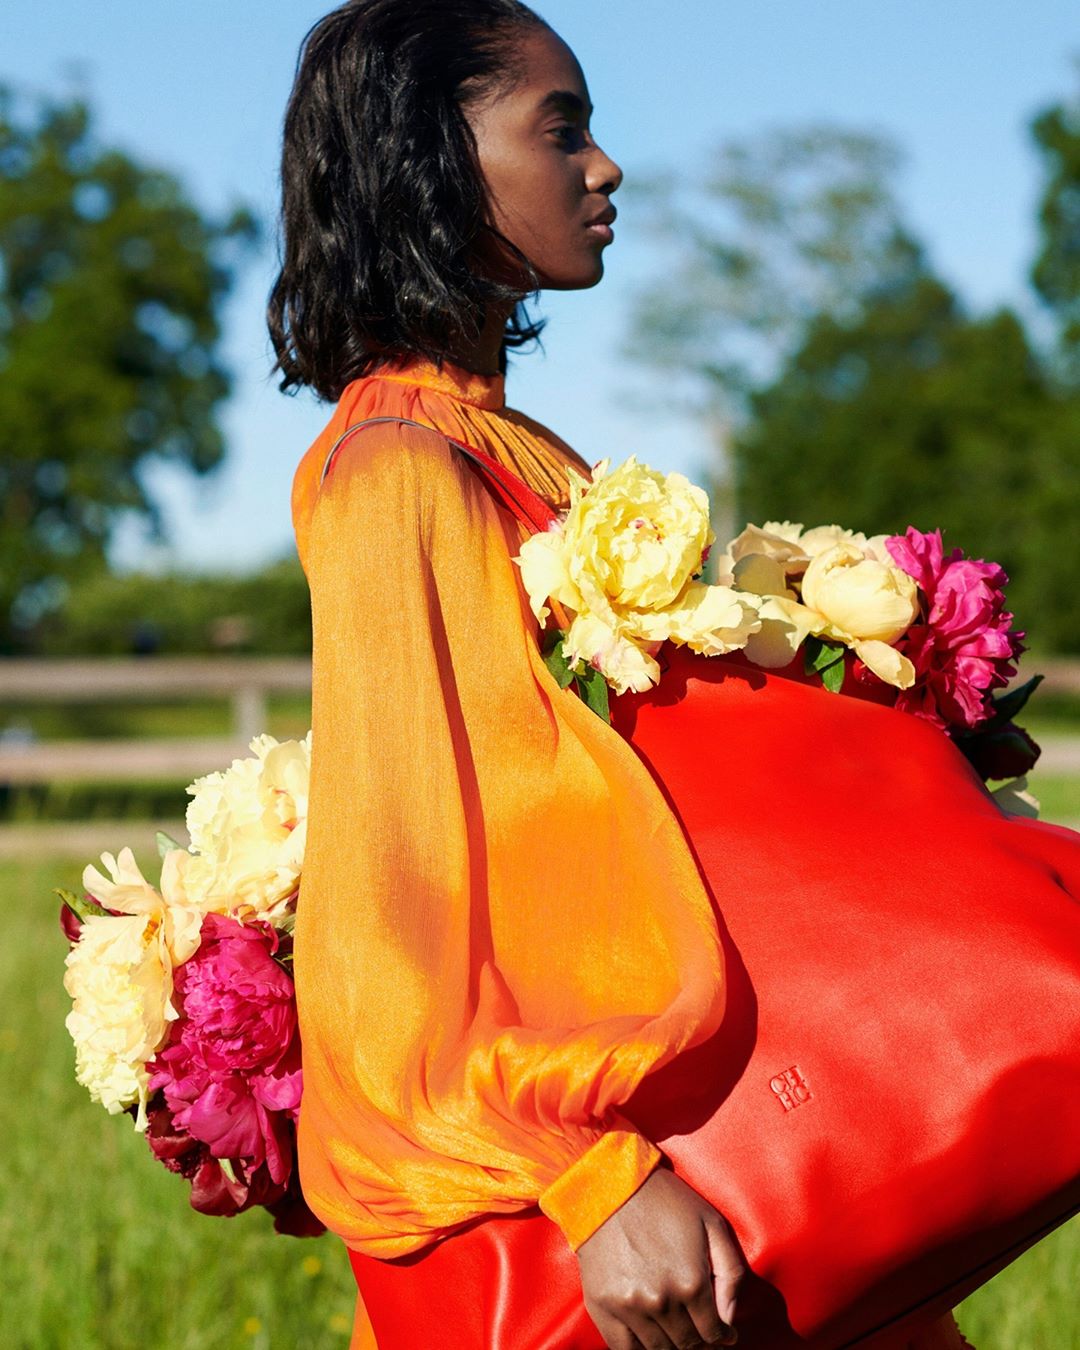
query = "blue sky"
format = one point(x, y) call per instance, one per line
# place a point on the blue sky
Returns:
point(199, 88)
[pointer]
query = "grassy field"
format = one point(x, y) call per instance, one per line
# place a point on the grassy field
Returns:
point(100, 1250)
point(287, 715)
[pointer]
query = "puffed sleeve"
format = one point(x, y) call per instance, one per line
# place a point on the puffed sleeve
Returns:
point(501, 929)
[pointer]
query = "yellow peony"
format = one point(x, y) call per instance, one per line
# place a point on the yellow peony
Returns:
point(248, 827)
point(860, 595)
point(624, 559)
point(624, 663)
point(833, 583)
point(126, 889)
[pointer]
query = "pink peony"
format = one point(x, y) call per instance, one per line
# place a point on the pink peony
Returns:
point(231, 1071)
point(963, 645)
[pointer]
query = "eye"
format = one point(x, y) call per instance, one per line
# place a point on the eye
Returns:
point(566, 133)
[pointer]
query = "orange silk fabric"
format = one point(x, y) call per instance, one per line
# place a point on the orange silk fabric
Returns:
point(501, 928)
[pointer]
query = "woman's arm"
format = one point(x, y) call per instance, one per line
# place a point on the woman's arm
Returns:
point(501, 929)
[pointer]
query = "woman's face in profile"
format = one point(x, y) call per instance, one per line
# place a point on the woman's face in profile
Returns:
point(547, 178)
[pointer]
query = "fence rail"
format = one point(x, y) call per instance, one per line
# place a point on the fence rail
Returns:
point(246, 682)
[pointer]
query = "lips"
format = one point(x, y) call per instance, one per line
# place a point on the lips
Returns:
point(606, 217)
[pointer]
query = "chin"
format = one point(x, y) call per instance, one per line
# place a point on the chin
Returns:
point(577, 279)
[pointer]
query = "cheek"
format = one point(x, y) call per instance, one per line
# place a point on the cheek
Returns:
point(536, 198)
point(538, 203)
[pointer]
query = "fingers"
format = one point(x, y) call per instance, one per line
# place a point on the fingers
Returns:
point(684, 1315)
point(728, 1270)
point(618, 1336)
point(702, 1314)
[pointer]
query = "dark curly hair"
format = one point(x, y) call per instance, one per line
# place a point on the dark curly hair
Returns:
point(383, 197)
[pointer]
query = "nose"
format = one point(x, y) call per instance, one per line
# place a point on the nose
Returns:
point(604, 174)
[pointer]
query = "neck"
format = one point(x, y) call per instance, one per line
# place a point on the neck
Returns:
point(482, 356)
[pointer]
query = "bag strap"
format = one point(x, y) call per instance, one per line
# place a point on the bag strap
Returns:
point(507, 488)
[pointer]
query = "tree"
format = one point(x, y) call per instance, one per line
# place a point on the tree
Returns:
point(1056, 271)
point(783, 228)
point(921, 414)
point(875, 399)
point(111, 286)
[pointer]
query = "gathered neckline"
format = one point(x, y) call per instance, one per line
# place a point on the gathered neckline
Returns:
point(467, 386)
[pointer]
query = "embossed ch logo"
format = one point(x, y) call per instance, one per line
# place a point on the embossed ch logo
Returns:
point(790, 1087)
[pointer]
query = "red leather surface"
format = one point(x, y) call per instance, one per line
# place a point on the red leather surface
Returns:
point(890, 1111)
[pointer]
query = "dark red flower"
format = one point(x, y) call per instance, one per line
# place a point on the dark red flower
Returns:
point(1001, 752)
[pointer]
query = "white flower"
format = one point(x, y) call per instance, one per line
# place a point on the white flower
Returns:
point(834, 583)
point(860, 595)
point(126, 889)
point(119, 975)
point(248, 827)
point(623, 663)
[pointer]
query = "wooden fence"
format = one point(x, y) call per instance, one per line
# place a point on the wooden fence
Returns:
point(246, 682)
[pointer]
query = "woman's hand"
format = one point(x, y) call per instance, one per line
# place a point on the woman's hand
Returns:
point(663, 1271)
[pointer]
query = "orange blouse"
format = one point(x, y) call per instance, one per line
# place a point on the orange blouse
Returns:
point(501, 928)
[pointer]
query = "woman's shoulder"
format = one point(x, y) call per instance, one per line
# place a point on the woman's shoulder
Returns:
point(387, 459)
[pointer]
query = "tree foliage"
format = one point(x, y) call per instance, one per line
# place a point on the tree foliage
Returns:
point(921, 414)
point(111, 286)
point(1056, 271)
point(264, 613)
point(875, 398)
point(781, 229)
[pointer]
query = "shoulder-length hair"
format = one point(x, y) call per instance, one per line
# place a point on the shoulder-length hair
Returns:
point(383, 197)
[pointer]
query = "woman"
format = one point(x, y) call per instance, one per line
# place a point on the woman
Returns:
point(502, 930)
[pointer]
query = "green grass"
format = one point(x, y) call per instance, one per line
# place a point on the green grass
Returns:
point(1058, 797)
point(98, 1245)
point(1032, 1304)
point(287, 715)
point(100, 1250)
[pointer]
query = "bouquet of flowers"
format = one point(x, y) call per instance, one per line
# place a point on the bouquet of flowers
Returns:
point(183, 1009)
point(928, 628)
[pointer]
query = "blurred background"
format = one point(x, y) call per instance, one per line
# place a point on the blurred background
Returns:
point(845, 286)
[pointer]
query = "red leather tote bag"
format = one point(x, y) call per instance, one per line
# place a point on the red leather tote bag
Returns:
point(890, 1111)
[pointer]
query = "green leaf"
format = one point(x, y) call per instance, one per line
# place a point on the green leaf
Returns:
point(1006, 706)
point(594, 690)
point(556, 662)
point(80, 905)
point(165, 843)
point(819, 655)
point(832, 677)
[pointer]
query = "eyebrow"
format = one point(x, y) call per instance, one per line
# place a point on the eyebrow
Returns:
point(564, 100)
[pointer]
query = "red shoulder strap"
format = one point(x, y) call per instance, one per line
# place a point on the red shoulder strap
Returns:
point(507, 488)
